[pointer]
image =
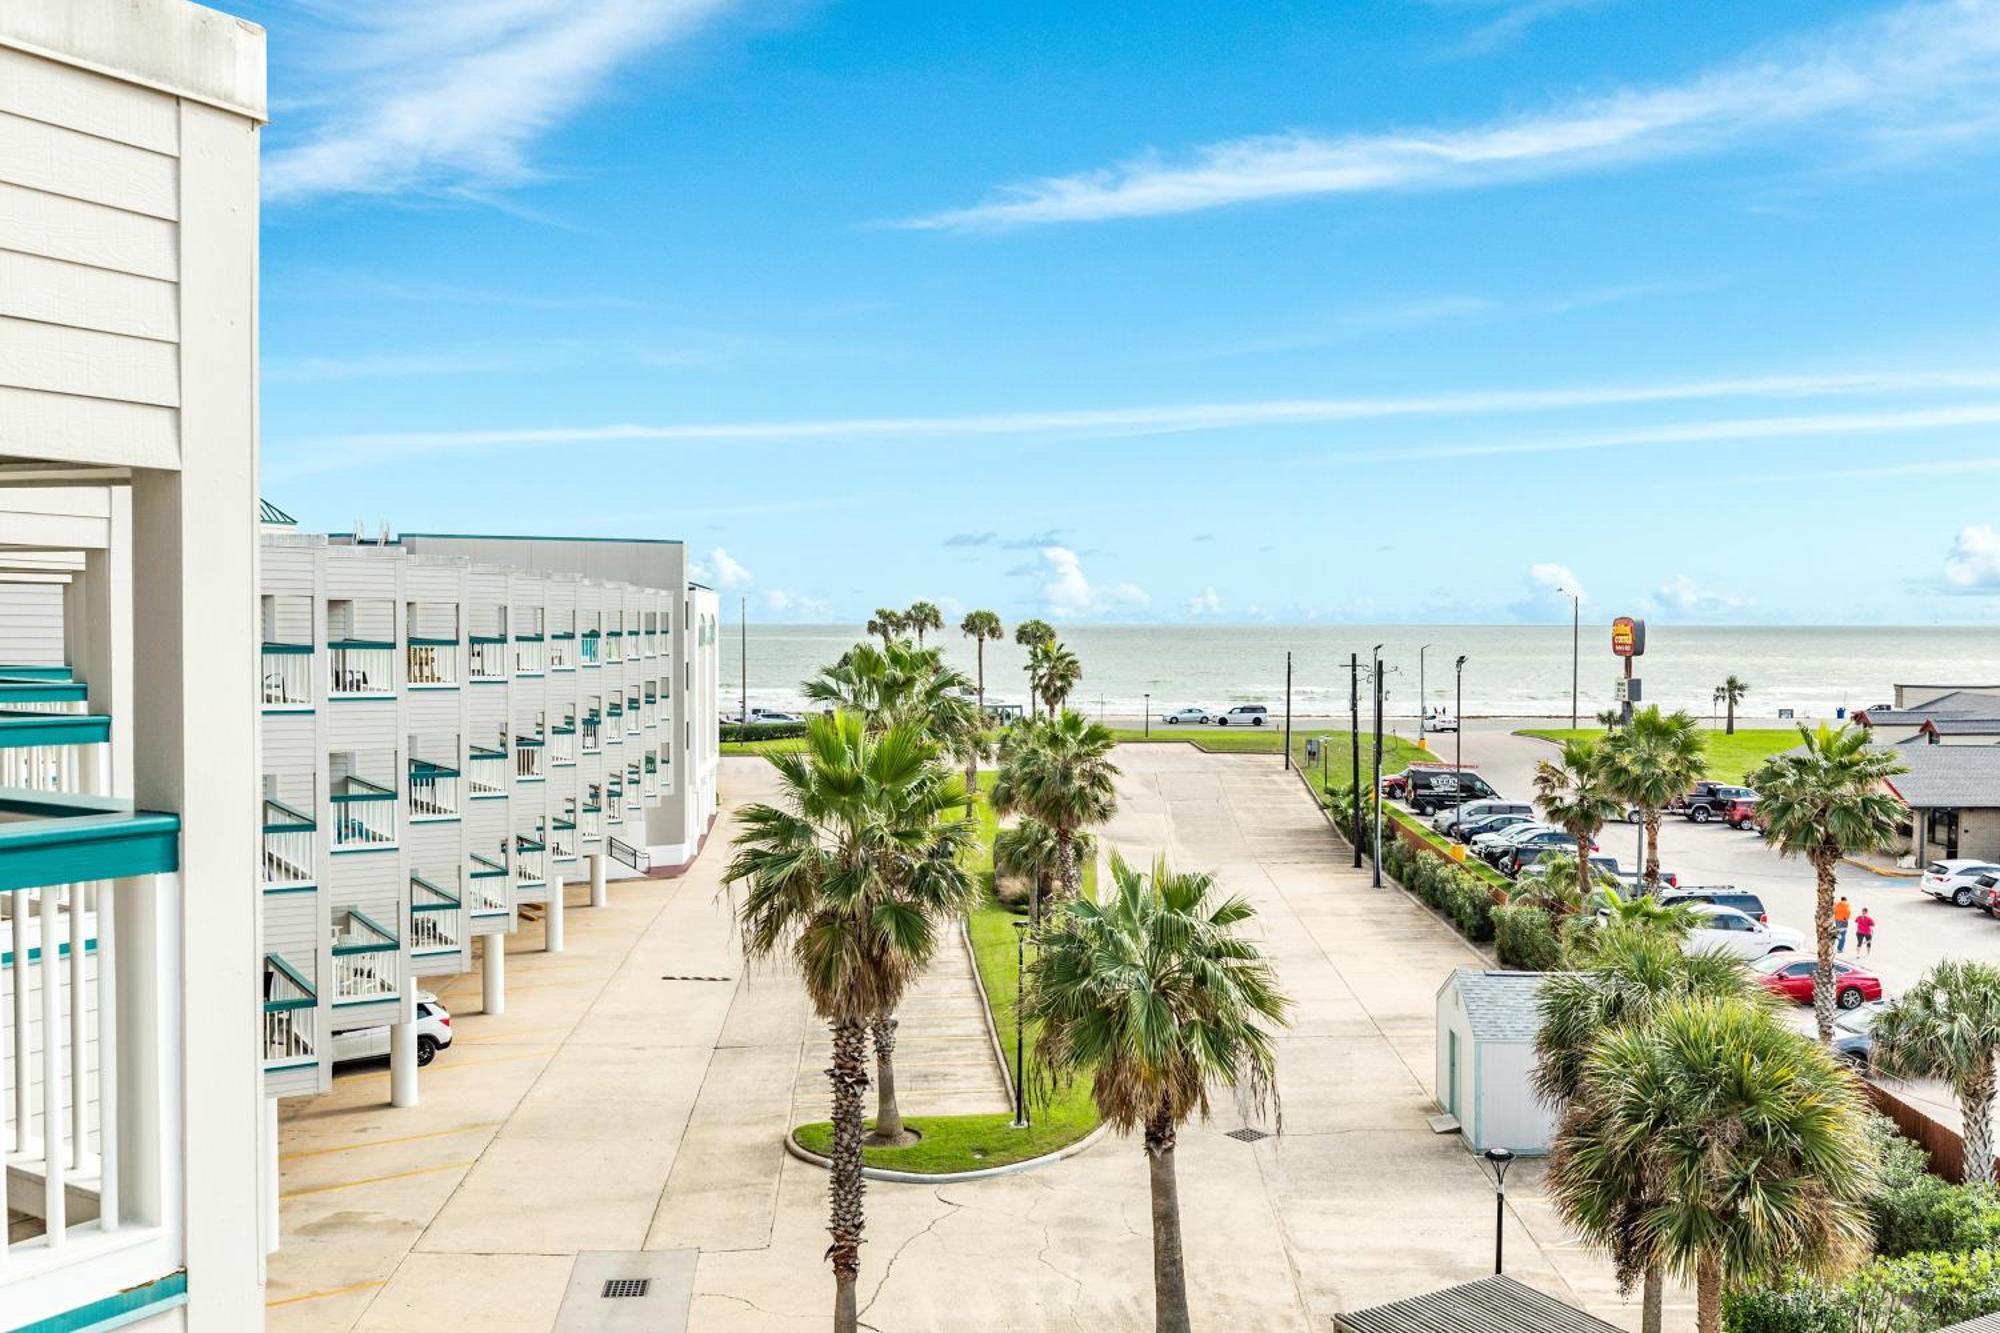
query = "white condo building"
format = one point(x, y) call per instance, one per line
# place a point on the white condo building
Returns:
point(255, 785)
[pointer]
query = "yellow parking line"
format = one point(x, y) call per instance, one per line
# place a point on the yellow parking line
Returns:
point(383, 1143)
point(317, 1295)
point(376, 1180)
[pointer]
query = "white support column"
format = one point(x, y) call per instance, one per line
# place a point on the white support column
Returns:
point(403, 1056)
point(271, 1208)
point(493, 974)
point(552, 919)
point(600, 892)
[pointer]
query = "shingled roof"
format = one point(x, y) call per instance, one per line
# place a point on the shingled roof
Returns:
point(1948, 777)
point(1499, 1006)
point(1490, 1305)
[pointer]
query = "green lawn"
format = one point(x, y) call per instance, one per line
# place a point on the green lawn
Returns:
point(971, 1142)
point(763, 747)
point(1730, 758)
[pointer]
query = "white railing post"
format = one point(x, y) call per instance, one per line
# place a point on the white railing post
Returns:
point(108, 1108)
point(79, 1073)
point(55, 1205)
point(17, 936)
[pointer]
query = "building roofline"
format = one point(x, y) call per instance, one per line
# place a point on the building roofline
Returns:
point(531, 537)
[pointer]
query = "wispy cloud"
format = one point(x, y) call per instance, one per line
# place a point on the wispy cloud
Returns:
point(1909, 74)
point(1974, 563)
point(409, 365)
point(1516, 18)
point(360, 450)
point(451, 97)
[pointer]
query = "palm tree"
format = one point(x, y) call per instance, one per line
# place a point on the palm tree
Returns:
point(1651, 763)
point(1753, 1138)
point(1948, 1026)
point(1609, 718)
point(1824, 801)
point(1054, 671)
point(1630, 974)
point(1059, 772)
point(852, 873)
point(1157, 997)
point(1031, 632)
point(1640, 912)
point(886, 624)
point(1730, 693)
point(1029, 851)
point(922, 616)
point(979, 626)
point(1576, 796)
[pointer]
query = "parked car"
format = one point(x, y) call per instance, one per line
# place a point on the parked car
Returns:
point(1634, 880)
point(1188, 717)
point(433, 1035)
point(1986, 892)
point(1244, 715)
point(1452, 817)
point(1395, 786)
point(1738, 935)
point(1530, 853)
point(1604, 868)
point(1440, 718)
point(1490, 824)
point(773, 715)
point(1853, 1035)
point(1742, 815)
point(1712, 800)
point(1485, 841)
point(1955, 881)
point(1793, 978)
point(1505, 854)
point(1431, 789)
point(1722, 895)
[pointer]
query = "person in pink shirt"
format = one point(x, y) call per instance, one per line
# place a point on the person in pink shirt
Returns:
point(1864, 933)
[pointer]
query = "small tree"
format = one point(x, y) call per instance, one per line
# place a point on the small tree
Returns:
point(1825, 801)
point(1947, 1026)
point(1055, 671)
point(1060, 773)
point(922, 616)
point(1029, 852)
point(886, 623)
point(1651, 763)
point(1156, 996)
point(1729, 694)
point(1576, 796)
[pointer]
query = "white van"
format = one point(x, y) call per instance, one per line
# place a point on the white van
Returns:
point(433, 1035)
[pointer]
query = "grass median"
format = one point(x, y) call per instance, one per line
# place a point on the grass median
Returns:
point(1729, 758)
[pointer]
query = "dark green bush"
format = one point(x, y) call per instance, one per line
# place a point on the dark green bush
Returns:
point(1800, 1309)
point(762, 731)
point(1525, 938)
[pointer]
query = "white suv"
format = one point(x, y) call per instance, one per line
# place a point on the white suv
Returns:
point(1955, 882)
point(1244, 715)
point(1737, 934)
point(433, 1035)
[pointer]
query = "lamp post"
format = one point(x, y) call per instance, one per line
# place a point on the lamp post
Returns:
point(1020, 1044)
point(1499, 1159)
point(1423, 698)
point(1354, 746)
point(1458, 730)
point(1375, 870)
point(1575, 649)
point(1149, 714)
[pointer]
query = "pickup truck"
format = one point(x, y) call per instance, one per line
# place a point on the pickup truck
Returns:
point(1714, 801)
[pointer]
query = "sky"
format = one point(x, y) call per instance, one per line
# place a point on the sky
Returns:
point(1368, 310)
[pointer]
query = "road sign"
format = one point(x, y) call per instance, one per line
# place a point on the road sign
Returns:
point(1626, 691)
point(1628, 637)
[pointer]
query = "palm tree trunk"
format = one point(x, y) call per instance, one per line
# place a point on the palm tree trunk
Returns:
point(1708, 1293)
point(1729, 728)
point(888, 1115)
point(844, 1190)
point(1822, 863)
point(1072, 881)
point(1583, 884)
point(1975, 1109)
point(1170, 1303)
point(1651, 1301)
point(1653, 848)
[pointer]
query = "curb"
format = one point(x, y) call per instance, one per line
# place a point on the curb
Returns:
point(883, 1173)
point(986, 1009)
point(1878, 870)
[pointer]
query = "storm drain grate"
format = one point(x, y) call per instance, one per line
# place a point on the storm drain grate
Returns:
point(697, 978)
point(1247, 1134)
point(618, 1287)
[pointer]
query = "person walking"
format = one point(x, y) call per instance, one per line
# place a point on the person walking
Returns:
point(1842, 912)
point(1864, 933)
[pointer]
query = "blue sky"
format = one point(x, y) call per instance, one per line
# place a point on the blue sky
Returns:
point(1375, 310)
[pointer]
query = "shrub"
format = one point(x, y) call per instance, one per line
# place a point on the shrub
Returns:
point(762, 731)
point(1798, 1309)
point(1926, 1291)
point(1525, 938)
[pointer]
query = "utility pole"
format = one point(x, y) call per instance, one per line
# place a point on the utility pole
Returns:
point(743, 655)
point(1458, 732)
point(1375, 870)
point(1288, 712)
point(1354, 747)
point(1575, 653)
point(1423, 700)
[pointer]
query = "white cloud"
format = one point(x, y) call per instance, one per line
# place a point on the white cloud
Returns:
point(728, 572)
point(1066, 592)
point(1552, 583)
point(1681, 595)
point(794, 606)
point(1205, 603)
point(1908, 74)
point(451, 96)
point(1974, 562)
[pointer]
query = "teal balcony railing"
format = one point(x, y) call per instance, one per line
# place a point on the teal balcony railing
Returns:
point(486, 772)
point(562, 744)
point(562, 838)
point(529, 658)
point(364, 815)
point(486, 885)
point(291, 1016)
point(434, 917)
point(590, 822)
point(44, 751)
point(434, 790)
point(291, 848)
point(361, 669)
point(287, 671)
point(486, 657)
point(633, 718)
point(365, 959)
point(531, 860)
point(589, 648)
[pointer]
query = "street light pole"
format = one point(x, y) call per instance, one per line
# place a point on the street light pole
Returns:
point(1423, 698)
point(1458, 717)
point(1499, 1159)
point(1288, 712)
point(1354, 746)
point(1575, 652)
point(1149, 715)
point(1020, 1046)
point(1375, 871)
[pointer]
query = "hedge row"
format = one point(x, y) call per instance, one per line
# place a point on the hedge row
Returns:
point(1445, 885)
point(1525, 938)
point(762, 731)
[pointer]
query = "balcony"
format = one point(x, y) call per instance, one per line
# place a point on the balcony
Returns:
point(94, 1082)
point(614, 645)
point(614, 723)
point(562, 839)
point(614, 801)
point(434, 791)
point(434, 918)
point(633, 717)
point(531, 861)
point(291, 1017)
point(649, 643)
point(528, 655)
point(589, 648)
point(51, 752)
point(361, 669)
point(652, 716)
point(287, 676)
point(651, 785)
point(486, 886)
point(633, 787)
point(27, 691)
point(562, 652)
point(290, 846)
point(486, 772)
point(529, 757)
point(590, 822)
point(486, 657)
point(365, 960)
point(433, 664)
point(593, 739)
point(562, 744)
point(364, 815)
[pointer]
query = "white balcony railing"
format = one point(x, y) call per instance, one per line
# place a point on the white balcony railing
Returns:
point(562, 652)
point(531, 861)
point(562, 744)
point(290, 845)
point(434, 918)
point(364, 815)
point(634, 716)
point(590, 823)
point(361, 670)
point(651, 786)
point(291, 1016)
point(614, 802)
point(528, 759)
point(593, 734)
point(528, 656)
point(287, 672)
point(562, 839)
point(432, 663)
point(365, 958)
point(486, 658)
point(486, 886)
point(434, 790)
point(486, 772)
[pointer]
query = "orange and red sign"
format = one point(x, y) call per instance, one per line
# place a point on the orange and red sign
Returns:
point(1628, 637)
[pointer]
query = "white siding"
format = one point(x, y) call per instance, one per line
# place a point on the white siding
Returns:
point(31, 624)
point(76, 99)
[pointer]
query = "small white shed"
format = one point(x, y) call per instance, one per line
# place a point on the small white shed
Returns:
point(1486, 1024)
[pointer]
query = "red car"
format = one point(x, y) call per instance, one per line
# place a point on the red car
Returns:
point(1740, 814)
point(1788, 975)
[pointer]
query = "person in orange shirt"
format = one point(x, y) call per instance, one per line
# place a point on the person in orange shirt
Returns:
point(1841, 914)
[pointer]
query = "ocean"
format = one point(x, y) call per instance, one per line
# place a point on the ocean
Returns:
point(1510, 670)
